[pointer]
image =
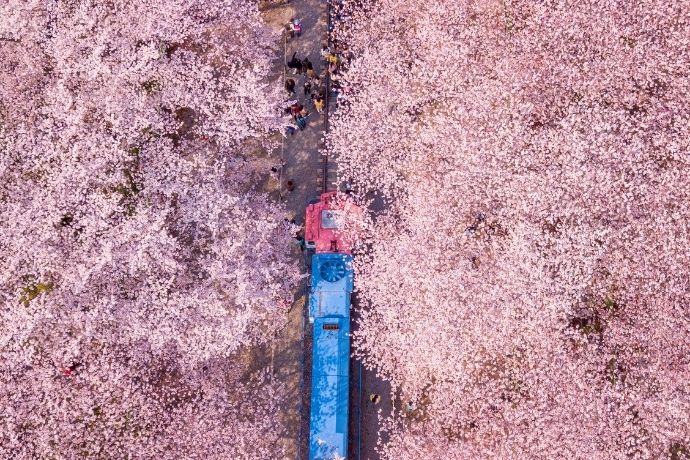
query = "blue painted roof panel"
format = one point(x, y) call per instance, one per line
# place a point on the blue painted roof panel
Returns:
point(328, 425)
point(331, 346)
point(325, 303)
point(329, 397)
point(320, 264)
point(331, 285)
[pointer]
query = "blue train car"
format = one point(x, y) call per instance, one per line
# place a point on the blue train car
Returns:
point(329, 311)
point(331, 285)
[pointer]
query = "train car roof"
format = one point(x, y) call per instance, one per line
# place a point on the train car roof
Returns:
point(329, 397)
point(332, 268)
point(331, 285)
point(325, 221)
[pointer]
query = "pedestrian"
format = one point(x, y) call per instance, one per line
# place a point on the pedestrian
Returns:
point(70, 370)
point(336, 86)
point(307, 88)
point(316, 81)
point(289, 130)
point(296, 108)
point(311, 74)
point(297, 26)
point(304, 112)
point(294, 28)
point(306, 64)
point(290, 185)
point(295, 64)
point(300, 242)
point(375, 398)
point(299, 238)
point(325, 52)
point(290, 86)
point(319, 104)
point(301, 122)
point(342, 94)
point(275, 174)
point(332, 58)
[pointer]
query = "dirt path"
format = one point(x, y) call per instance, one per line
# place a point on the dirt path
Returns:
point(303, 166)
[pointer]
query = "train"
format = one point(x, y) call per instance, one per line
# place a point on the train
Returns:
point(330, 293)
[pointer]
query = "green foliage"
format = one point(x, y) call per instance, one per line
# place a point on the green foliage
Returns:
point(128, 191)
point(628, 41)
point(151, 86)
point(611, 305)
point(588, 325)
point(615, 372)
point(33, 290)
point(35, 174)
point(679, 451)
point(598, 312)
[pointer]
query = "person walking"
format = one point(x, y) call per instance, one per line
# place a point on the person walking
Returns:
point(297, 26)
point(307, 88)
point(306, 64)
point(294, 28)
point(299, 238)
point(311, 74)
point(275, 173)
point(290, 86)
point(301, 243)
point(301, 122)
point(296, 108)
point(319, 104)
point(325, 52)
point(290, 129)
point(295, 64)
point(333, 60)
point(336, 86)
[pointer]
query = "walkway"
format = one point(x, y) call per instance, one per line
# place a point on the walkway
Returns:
point(304, 166)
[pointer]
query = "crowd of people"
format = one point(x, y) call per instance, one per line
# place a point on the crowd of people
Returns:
point(308, 87)
point(305, 85)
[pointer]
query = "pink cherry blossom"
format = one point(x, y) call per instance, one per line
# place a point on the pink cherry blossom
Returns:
point(139, 260)
point(525, 284)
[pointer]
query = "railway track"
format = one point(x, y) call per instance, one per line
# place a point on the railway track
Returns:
point(314, 172)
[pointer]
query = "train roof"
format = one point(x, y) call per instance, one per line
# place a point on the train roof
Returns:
point(331, 285)
point(329, 396)
point(325, 222)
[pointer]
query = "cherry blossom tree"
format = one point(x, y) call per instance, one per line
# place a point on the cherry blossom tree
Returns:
point(525, 285)
point(139, 258)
